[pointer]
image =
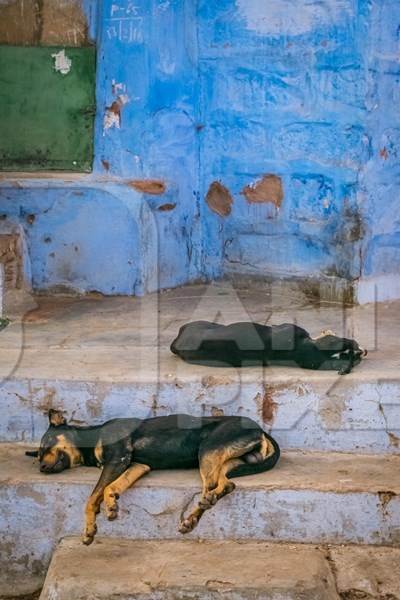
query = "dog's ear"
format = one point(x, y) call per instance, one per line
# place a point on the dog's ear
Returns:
point(56, 418)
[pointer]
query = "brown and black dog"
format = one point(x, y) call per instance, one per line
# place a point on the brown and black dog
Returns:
point(127, 449)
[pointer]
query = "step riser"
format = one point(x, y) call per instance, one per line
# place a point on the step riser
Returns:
point(186, 570)
point(340, 415)
point(34, 518)
point(128, 570)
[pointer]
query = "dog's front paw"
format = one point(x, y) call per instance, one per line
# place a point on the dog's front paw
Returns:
point(112, 514)
point(111, 506)
point(89, 535)
point(209, 499)
point(187, 525)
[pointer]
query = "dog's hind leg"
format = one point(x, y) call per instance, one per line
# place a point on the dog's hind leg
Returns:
point(215, 463)
point(225, 486)
point(210, 498)
point(120, 485)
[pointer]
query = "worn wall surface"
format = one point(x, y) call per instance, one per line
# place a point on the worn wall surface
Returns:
point(262, 136)
point(146, 123)
point(380, 177)
point(145, 143)
point(300, 110)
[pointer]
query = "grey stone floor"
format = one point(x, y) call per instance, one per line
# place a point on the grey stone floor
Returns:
point(123, 339)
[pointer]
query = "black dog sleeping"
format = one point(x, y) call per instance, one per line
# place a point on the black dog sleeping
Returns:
point(246, 344)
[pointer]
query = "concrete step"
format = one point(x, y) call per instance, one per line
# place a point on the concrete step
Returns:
point(171, 570)
point(317, 412)
point(309, 497)
point(99, 358)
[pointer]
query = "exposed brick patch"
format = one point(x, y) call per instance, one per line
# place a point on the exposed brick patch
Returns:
point(268, 189)
point(156, 187)
point(219, 199)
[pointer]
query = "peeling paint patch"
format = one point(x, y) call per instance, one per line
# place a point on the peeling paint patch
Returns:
point(219, 199)
point(166, 207)
point(112, 117)
point(332, 409)
point(268, 189)
point(117, 87)
point(384, 153)
point(212, 380)
point(269, 406)
point(217, 412)
point(394, 440)
point(11, 259)
point(156, 187)
point(62, 63)
point(105, 164)
point(385, 498)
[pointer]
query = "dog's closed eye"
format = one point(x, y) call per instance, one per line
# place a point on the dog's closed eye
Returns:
point(34, 453)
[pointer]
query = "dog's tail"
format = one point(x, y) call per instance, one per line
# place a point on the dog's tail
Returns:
point(258, 462)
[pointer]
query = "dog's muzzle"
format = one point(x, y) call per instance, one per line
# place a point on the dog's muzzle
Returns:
point(61, 463)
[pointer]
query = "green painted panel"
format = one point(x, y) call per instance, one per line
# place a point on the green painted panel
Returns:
point(46, 117)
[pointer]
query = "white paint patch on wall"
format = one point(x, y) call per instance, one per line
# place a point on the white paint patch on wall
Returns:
point(292, 17)
point(62, 63)
point(112, 116)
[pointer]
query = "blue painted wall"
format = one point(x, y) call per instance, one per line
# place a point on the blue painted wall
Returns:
point(84, 234)
point(285, 94)
point(190, 92)
point(147, 60)
point(380, 176)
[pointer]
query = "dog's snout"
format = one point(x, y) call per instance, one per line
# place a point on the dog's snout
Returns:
point(45, 468)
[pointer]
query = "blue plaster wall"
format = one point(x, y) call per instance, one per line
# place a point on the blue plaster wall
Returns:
point(380, 177)
point(308, 91)
point(230, 91)
point(85, 236)
point(147, 51)
point(285, 87)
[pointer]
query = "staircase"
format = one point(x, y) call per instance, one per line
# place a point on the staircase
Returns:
point(325, 523)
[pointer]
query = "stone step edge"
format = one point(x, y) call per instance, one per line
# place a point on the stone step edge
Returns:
point(334, 472)
point(223, 567)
